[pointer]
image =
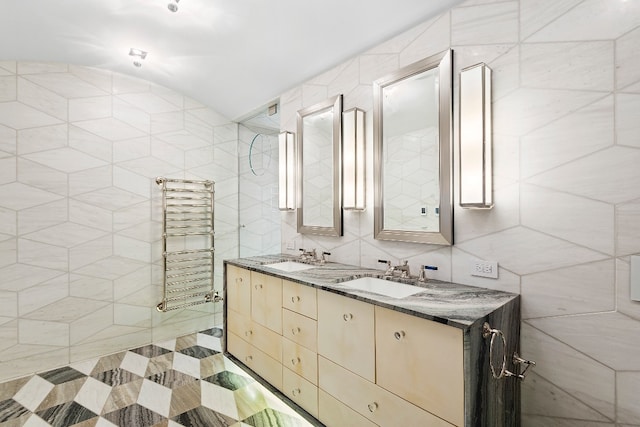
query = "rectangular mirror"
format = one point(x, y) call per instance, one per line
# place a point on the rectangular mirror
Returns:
point(413, 153)
point(319, 151)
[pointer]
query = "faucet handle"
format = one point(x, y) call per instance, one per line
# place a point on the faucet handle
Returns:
point(385, 261)
point(422, 277)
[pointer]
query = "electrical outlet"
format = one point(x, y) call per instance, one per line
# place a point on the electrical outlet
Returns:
point(291, 245)
point(484, 269)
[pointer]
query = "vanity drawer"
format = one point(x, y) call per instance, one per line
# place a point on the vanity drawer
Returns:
point(300, 329)
point(422, 362)
point(375, 403)
point(345, 333)
point(263, 365)
point(266, 301)
point(257, 335)
point(300, 391)
point(300, 360)
point(299, 298)
point(239, 289)
point(332, 412)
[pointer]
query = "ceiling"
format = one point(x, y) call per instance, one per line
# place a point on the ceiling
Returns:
point(234, 56)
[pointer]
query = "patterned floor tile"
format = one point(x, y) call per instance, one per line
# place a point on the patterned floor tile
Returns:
point(134, 415)
point(186, 341)
point(229, 380)
point(67, 414)
point(116, 377)
point(10, 410)
point(155, 397)
point(123, 396)
point(215, 332)
point(212, 365)
point(150, 350)
point(250, 400)
point(62, 393)
point(62, 375)
point(272, 418)
point(10, 388)
point(108, 363)
point(202, 416)
point(198, 352)
point(185, 398)
point(159, 364)
point(171, 378)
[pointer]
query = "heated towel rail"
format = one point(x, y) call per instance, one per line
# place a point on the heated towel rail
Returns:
point(187, 243)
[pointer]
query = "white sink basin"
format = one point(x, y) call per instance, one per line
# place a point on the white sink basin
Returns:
point(383, 287)
point(289, 266)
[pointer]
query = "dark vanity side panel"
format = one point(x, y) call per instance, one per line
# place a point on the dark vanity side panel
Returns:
point(490, 401)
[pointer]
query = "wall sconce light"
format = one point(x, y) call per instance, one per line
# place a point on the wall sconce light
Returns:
point(476, 185)
point(139, 56)
point(287, 172)
point(353, 160)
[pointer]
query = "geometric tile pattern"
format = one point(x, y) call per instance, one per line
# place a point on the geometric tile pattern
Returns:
point(566, 173)
point(218, 397)
point(80, 213)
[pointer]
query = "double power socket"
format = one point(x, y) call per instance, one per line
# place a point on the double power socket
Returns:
point(484, 269)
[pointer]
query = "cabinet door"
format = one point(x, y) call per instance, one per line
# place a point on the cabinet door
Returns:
point(263, 365)
point(300, 360)
point(239, 290)
point(300, 391)
point(334, 413)
point(345, 333)
point(374, 403)
point(255, 334)
point(422, 362)
point(266, 301)
point(299, 298)
point(299, 329)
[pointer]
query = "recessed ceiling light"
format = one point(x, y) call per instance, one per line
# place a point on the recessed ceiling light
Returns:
point(173, 6)
point(140, 55)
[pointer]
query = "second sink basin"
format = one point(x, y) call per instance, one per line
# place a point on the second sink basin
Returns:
point(383, 287)
point(289, 266)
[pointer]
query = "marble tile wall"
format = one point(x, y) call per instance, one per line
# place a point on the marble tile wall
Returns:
point(567, 193)
point(80, 213)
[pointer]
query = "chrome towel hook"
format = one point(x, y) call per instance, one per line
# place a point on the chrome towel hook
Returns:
point(517, 361)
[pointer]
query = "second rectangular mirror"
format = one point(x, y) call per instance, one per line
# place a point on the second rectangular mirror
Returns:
point(319, 176)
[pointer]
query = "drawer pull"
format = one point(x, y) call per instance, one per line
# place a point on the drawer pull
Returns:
point(295, 391)
point(248, 358)
point(347, 317)
point(248, 333)
point(238, 279)
point(295, 361)
point(399, 335)
point(295, 331)
point(295, 299)
point(258, 286)
point(372, 407)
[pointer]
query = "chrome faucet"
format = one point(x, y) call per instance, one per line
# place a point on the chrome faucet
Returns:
point(323, 258)
point(402, 269)
point(422, 277)
point(308, 255)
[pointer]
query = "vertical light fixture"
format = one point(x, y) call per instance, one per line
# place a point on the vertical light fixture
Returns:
point(476, 185)
point(353, 160)
point(287, 172)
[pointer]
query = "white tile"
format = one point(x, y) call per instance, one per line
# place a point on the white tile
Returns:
point(8, 67)
point(42, 138)
point(87, 327)
point(132, 215)
point(155, 397)
point(42, 254)
point(131, 115)
point(89, 215)
point(110, 129)
point(219, 399)
point(131, 248)
point(90, 144)
point(33, 392)
point(113, 339)
point(133, 182)
point(93, 395)
point(571, 137)
point(36, 421)
point(135, 363)
point(110, 198)
point(567, 216)
point(90, 180)
point(627, 126)
point(580, 289)
point(628, 386)
point(208, 116)
point(65, 84)
point(186, 364)
point(535, 14)
point(485, 24)
point(183, 139)
point(168, 344)
point(17, 115)
point(43, 216)
point(28, 67)
point(42, 177)
point(8, 170)
point(66, 159)
point(579, 65)
point(41, 332)
point(627, 54)
point(345, 81)
point(607, 21)
point(131, 315)
point(128, 84)
point(96, 107)
point(8, 88)
point(130, 149)
point(85, 366)
point(7, 140)
point(111, 268)
point(24, 360)
point(9, 304)
point(581, 376)
point(66, 235)
point(525, 251)
point(167, 122)
point(90, 287)
point(591, 176)
point(90, 252)
point(434, 39)
point(149, 102)
point(628, 229)
point(66, 310)
point(608, 338)
point(17, 277)
point(129, 283)
point(42, 99)
point(97, 77)
point(8, 250)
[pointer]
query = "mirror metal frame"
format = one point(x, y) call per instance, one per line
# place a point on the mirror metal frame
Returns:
point(442, 61)
point(334, 103)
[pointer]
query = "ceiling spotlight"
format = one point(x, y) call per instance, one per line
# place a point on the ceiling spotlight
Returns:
point(173, 6)
point(139, 56)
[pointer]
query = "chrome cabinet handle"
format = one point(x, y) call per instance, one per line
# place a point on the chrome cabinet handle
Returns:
point(295, 299)
point(295, 391)
point(295, 331)
point(372, 407)
point(295, 361)
point(399, 335)
point(347, 317)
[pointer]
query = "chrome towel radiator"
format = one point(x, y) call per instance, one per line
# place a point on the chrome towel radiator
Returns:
point(187, 243)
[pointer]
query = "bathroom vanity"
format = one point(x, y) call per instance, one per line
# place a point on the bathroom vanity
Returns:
point(355, 357)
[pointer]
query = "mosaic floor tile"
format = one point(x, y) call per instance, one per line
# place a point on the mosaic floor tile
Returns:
point(186, 341)
point(272, 418)
point(215, 332)
point(229, 380)
point(123, 396)
point(171, 378)
point(10, 388)
point(134, 415)
point(212, 365)
point(10, 409)
point(67, 414)
point(150, 350)
point(250, 400)
point(62, 375)
point(108, 363)
point(198, 352)
point(62, 393)
point(202, 416)
point(116, 377)
point(159, 364)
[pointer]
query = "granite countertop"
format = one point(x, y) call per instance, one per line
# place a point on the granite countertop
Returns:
point(448, 303)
